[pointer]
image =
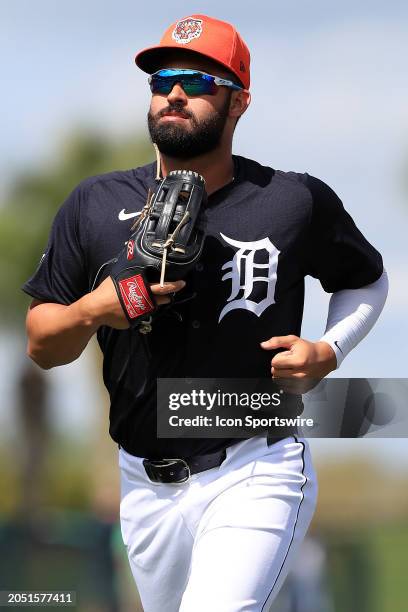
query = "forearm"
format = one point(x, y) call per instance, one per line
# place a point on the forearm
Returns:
point(58, 334)
point(352, 314)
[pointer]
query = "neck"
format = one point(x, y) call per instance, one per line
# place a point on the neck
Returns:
point(217, 167)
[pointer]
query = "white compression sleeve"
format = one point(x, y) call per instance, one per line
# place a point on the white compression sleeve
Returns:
point(352, 313)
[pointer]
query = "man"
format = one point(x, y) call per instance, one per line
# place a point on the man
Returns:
point(222, 539)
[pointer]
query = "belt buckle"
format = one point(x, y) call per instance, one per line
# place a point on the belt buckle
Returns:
point(185, 464)
point(148, 465)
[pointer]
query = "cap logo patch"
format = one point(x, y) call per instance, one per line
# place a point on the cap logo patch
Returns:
point(187, 30)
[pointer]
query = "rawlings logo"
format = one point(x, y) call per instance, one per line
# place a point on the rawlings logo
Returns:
point(130, 250)
point(187, 30)
point(135, 297)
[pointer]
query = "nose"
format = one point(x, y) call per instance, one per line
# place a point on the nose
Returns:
point(177, 95)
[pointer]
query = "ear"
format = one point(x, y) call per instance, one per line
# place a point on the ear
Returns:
point(240, 100)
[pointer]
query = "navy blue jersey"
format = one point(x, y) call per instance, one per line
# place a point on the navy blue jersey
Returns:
point(265, 232)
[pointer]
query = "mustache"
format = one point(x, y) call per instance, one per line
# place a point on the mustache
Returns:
point(176, 108)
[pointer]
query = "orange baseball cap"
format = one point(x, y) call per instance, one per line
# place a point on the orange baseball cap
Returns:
point(215, 39)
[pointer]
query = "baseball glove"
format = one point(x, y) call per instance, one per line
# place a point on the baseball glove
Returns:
point(165, 243)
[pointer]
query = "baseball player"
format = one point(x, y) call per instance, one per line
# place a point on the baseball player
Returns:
point(209, 524)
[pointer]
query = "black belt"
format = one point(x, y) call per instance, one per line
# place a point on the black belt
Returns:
point(177, 471)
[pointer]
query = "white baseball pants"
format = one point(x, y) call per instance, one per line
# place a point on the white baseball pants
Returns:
point(224, 540)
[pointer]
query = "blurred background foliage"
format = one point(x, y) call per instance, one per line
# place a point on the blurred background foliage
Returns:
point(29, 207)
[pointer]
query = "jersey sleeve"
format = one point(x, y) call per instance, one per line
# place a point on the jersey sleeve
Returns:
point(61, 275)
point(337, 253)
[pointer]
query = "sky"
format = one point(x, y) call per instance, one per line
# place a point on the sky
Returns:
point(329, 96)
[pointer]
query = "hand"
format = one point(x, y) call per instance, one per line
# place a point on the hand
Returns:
point(303, 361)
point(104, 306)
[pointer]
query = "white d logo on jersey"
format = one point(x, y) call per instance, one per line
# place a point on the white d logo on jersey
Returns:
point(243, 275)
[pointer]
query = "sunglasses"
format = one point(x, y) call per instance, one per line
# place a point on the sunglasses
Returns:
point(194, 82)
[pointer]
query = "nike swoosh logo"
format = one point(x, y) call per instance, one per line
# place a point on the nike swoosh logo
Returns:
point(337, 344)
point(124, 216)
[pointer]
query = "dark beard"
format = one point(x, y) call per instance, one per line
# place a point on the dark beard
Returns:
point(182, 143)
